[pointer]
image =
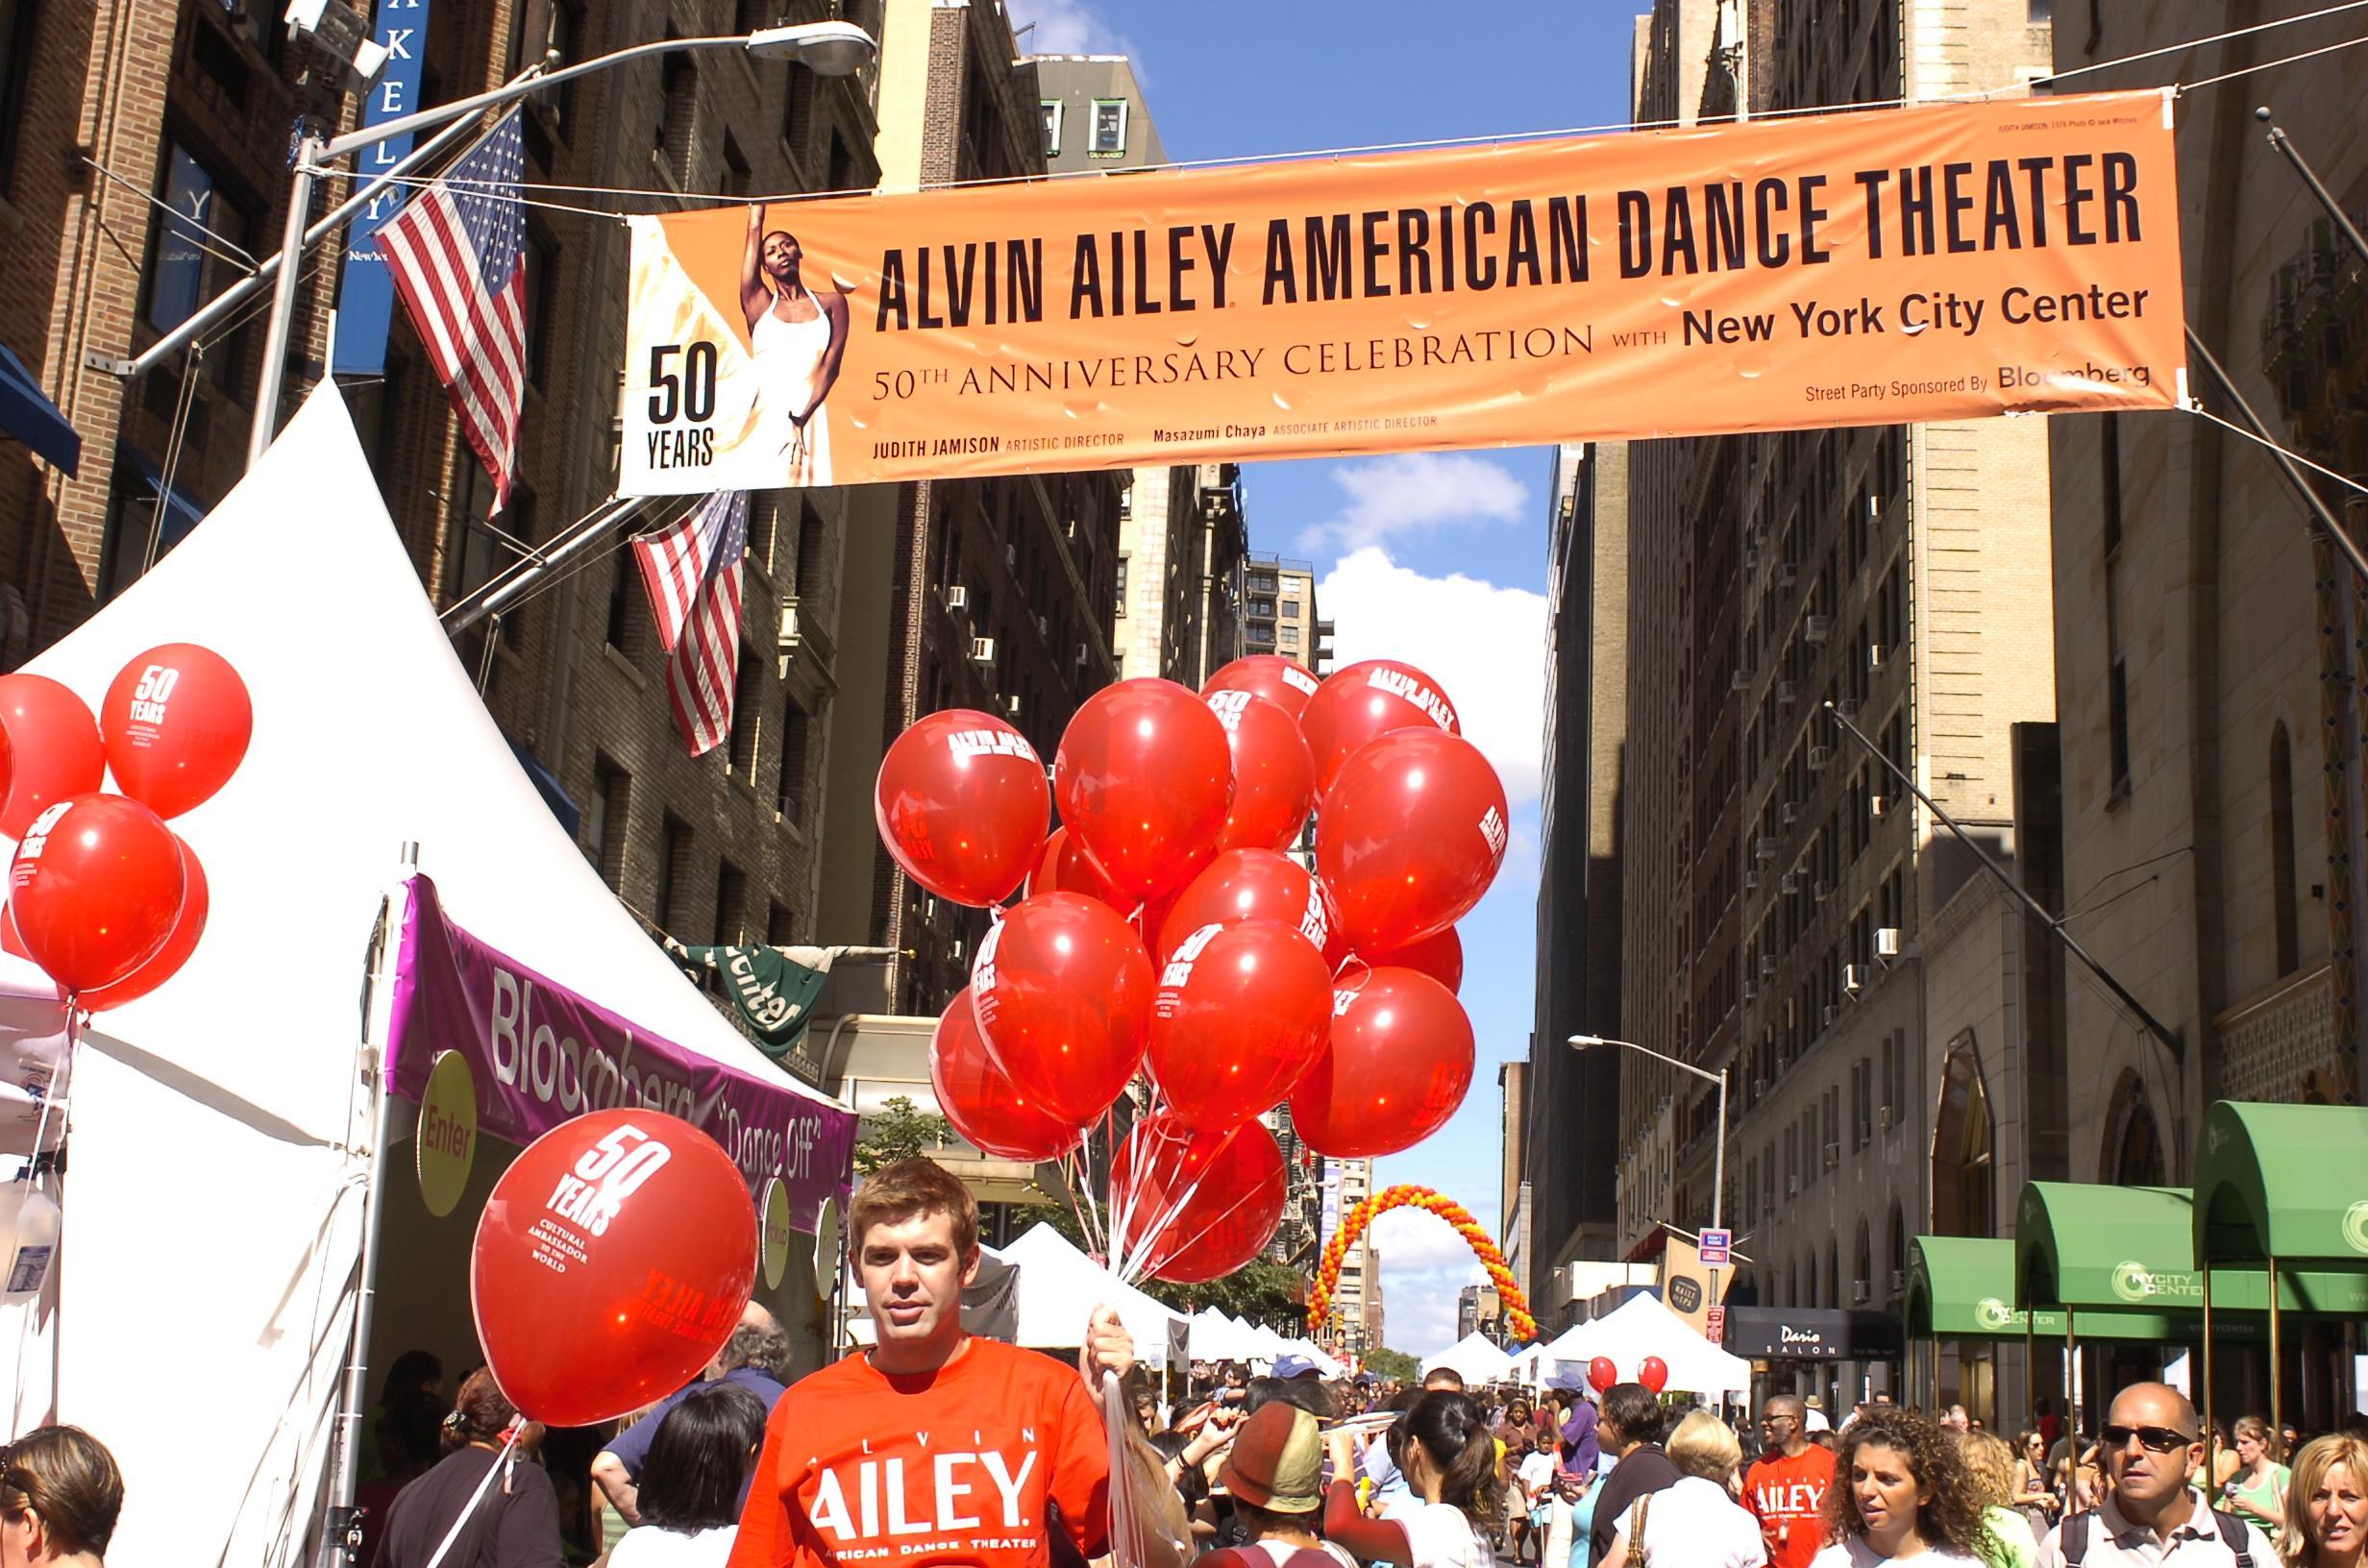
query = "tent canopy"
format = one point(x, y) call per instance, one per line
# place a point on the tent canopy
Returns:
point(1643, 1326)
point(2080, 1246)
point(2288, 1181)
point(1473, 1359)
point(1963, 1288)
point(1060, 1286)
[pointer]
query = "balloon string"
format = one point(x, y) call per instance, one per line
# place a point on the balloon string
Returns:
point(1171, 1212)
point(76, 1020)
point(499, 1468)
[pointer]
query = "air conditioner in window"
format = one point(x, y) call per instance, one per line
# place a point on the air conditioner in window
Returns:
point(1011, 705)
point(1743, 678)
point(1877, 805)
point(1082, 656)
point(1788, 813)
point(1011, 556)
point(1817, 628)
point(1874, 655)
point(1832, 1155)
point(1044, 628)
point(1853, 979)
point(1831, 1013)
point(1787, 574)
point(1859, 1292)
point(1846, 708)
point(1899, 1280)
point(1751, 991)
point(1884, 1117)
point(1793, 1187)
point(982, 650)
point(1819, 758)
point(1788, 884)
point(957, 597)
point(1874, 506)
point(1886, 941)
point(1763, 848)
point(1787, 692)
point(961, 953)
point(1768, 965)
point(1822, 891)
point(1751, 557)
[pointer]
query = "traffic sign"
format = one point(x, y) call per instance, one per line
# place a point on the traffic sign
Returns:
point(1715, 1326)
point(1716, 1248)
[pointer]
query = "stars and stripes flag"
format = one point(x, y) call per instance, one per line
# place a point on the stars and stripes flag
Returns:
point(692, 570)
point(458, 257)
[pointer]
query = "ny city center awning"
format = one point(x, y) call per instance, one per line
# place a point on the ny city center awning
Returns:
point(1963, 1288)
point(2288, 1181)
point(2081, 1247)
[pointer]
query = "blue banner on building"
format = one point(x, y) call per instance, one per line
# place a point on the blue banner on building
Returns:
point(367, 294)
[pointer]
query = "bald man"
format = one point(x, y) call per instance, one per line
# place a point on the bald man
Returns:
point(2151, 1443)
point(1785, 1488)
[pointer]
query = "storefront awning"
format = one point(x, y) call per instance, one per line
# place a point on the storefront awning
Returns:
point(27, 415)
point(1810, 1334)
point(1963, 1288)
point(2288, 1181)
point(2080, 1247)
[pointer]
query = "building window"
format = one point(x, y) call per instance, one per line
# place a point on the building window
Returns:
point(19, 19)
point(542, 297)
point(2039, 12)
point(197, 247)
point(674, 844)
point(1121, 585)
point(622, 589)
point(2282, 849)
point(1109, 127)
point(676, 148)
point(606, 820)
point(1291, 610)
point(742, 763)
point(1053, 126)
point(790, 799)
point(1290, 637)
point(731, 901)
point(798, 109)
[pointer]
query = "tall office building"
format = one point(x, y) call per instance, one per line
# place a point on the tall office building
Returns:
point(1278, 612)
point(1355, 1324)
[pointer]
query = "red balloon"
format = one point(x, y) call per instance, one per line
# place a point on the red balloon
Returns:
point(1062, 866)
point(1274, 773)
point(1247, 885)
point(1062, 992)
point(1196, 1205)
point(1287, 683)
point(1241, 1015)
point(177, 721)
point(1601, 1374)
point(54, 746)
point(187, 929)
point(1438, 955)
point(1367, 699)
point(1143, 778)
point(1410, 837)
point(983, 1103)
point(11, 940)
point(962, 807)
point(1654, 1373)
point(1399, 1061)
point(613, 1260)
point(96, 888)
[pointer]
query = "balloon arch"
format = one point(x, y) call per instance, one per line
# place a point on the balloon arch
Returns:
point(1408, 1196)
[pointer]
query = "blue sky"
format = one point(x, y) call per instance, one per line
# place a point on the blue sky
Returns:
point(1436, 559)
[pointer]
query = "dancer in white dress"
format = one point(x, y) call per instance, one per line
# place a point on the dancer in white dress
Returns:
point(796, 338)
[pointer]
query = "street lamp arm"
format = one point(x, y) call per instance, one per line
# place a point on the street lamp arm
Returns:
point(1582, 1042)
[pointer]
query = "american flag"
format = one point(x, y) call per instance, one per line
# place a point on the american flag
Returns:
point(458, 257)
point(692, 570)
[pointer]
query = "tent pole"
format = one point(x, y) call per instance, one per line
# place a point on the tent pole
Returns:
point(2277, 1359)
point(2204, 1357)
point(342, 1541)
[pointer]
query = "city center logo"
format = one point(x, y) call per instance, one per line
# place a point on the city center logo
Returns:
point(2355, 1227)
point(1994, 1314)
point(2133, 1282)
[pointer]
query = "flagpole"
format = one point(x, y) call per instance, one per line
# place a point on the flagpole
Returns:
point(265, 422)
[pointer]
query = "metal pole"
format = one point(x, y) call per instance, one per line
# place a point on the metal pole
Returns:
point(2204, 1353)
point(2318, 507)
point(266, 420)
point(1718, 1197)
point(498, 595)
point(2277, 1362)
point(2341, 219)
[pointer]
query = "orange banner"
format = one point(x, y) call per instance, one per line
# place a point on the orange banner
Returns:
point(1875, 267)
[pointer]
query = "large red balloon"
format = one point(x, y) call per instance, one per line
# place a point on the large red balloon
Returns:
point(962, 807)
point(1601, 1374)
point(1438, 955)
point(1245, 884)
point(96, 888)
point(1274, 773)
point(177, 722)
point(1143, 778)
point(1374, 698)
point(613, 1260)
point(183, 941)
point(982, 1101)
point(1287, 683)
point(1241, 1015)
point(1062, 866)
point(1410, 837)
point(1062, 992)
point(54, 746)
point(1196, 1205)
point(1399, 1061)
point(1654, 1373)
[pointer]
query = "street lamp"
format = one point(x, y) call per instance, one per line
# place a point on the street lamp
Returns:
point(1718, 1153)
point(826, 48)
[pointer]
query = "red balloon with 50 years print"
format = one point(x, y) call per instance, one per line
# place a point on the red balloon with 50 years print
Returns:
point(54, 750)
point(1196, 1205)
point(1438, 955)
point(1062, 866)
point(1410, 837)
point(1367, 699)
point(1062, 992)
point(1601, 1374)
point(1287, 683)
point(1274, 773)
point(980, 1099)
point(177, 721)
point(613, 1260)
point(961, 804)
point(187, 928)
point(1143, 778)
point(1241, 1016)
point(1399, 1061)
point(95, 888)
point(1245, 884)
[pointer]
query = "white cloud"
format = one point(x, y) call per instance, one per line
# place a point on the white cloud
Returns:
point(1066, 27)
point(1485, 644)
point(1417, 493)
point(1423, 1265)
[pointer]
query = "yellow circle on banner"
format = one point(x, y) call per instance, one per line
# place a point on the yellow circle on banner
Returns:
point(775, 1245)
point(446, 1146)
point(826, 1245)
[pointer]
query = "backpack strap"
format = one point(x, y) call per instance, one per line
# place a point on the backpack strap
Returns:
point(2072, 1540)
point(2233, 1536)
point(1636, 1531)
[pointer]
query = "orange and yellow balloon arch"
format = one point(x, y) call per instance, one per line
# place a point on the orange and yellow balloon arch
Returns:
point(1408, 1196)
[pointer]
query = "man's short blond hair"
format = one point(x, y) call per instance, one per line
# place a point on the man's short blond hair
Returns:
point(904, 1189)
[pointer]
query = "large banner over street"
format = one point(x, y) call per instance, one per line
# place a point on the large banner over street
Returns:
point(1876, 267)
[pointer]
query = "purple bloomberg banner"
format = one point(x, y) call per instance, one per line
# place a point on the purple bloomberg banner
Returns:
point(542, 1054)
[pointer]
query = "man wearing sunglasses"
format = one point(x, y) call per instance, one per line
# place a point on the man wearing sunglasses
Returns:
point(2151, 1443)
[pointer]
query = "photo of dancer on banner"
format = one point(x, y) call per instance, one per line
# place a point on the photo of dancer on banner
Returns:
point(797, 341)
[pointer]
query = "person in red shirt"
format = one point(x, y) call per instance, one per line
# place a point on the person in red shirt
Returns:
point(934, 1446)
point(1786, 1489)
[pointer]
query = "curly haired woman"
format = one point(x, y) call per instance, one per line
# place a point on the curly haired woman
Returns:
point(1902, 1491)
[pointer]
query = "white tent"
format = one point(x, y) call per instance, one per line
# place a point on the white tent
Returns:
point(1217, 1337)
point(1060, 1286)
point(1475, 1358)
point(1640, 1327)
point(213, 1207)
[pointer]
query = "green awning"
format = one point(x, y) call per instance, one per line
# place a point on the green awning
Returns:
point(2084, 1247)
point(2288, 1181)
point(1963, 1288)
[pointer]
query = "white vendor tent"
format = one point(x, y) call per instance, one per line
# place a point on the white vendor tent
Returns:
point(1475, 1358)
point(1060, 1286)
point(1217, 1337)
point(212, 1209)
point(1640, 1327)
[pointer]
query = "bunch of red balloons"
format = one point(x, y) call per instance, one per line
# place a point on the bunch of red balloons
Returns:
point(1165, 927)
point(103, 896)
point(1653, 1372)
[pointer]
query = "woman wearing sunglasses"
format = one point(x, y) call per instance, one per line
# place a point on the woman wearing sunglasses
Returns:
point(1901, 1492)
point(2033, 1497)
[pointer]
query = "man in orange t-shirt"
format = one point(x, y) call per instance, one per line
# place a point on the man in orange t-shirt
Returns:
point(1787, 1487)
point(934, 1445)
